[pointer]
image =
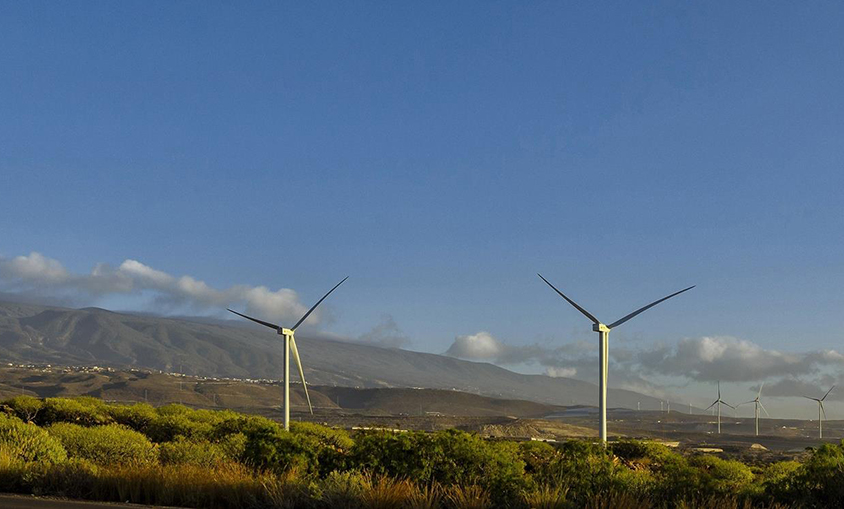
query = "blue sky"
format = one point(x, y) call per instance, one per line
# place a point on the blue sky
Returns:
point(441, 154)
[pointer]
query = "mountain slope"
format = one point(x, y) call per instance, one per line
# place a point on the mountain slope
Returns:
point(91, 336)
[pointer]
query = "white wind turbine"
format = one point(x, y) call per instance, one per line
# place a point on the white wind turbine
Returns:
point(758, 405)
point(290, 344)
point(821, 410)
point(719, 402)
point(603, 356)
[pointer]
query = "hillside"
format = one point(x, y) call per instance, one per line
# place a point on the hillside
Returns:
point(91, 336)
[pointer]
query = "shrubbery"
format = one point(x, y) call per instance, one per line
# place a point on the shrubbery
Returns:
point(174, 455)
point(28, 443)
point(112, 444)
point(445, 457)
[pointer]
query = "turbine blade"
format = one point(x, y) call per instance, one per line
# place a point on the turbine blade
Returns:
point(763, 409)
point(729, 405)
point(301, 371)
point(712, 405)
point(827, 393)
point(573, 303)
point(823, 410)
point(317, 304)
point(760, 390)
point(746, 402)
point(266, 324)
point(813, 399)
point(643, 309)
point(719, 389)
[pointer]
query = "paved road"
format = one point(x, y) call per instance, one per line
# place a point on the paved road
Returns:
point(30, 502)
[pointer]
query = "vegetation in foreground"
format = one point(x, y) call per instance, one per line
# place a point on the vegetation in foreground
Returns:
point(173, 455)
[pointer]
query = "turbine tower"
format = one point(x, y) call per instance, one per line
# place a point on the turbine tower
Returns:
point(290, 345)
point(603, 356)
point(821, 410)
point(719, 402)
point(758, 405)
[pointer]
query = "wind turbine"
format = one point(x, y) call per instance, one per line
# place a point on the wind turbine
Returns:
point(290, 344)
point(758, 405)
point(821, 410)
point(719, 402)
point(603, 356)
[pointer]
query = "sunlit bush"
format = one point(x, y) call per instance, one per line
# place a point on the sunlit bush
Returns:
point(83, 410)
point(25, 408)
point(28, 443)
point(274, 449)
point(722, 476)
point(111, 444)
point(446, 457)
point(170, 426)
point(182, 452)
point(137, 416)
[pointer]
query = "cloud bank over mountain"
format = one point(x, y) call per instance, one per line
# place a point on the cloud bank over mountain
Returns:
point(704, 359)
point(38, 274)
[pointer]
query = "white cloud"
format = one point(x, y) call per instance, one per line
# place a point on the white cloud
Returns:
point(560, 372)
point(145, 275)
point(647, 369)
point(481, 346)
point(34, 268)
point(732, 359)
point(39, 273)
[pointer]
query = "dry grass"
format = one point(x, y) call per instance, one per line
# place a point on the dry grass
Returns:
point(229, 485)
point(546, 497)
point(467, 497)
point(386, 493)
point(425, 497)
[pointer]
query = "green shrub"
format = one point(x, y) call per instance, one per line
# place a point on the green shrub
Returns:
point(537, 457)
point(25, 407)
point(83, 410)
point(170, 426)
point(182, 452)
point(819, 481)
point(778, 480)
point(446, 457)
point(720, 476)
point(75, 478)
point(233, 446)
point(111, 444)
point(328, 437)
point(137, 416)
point(12, 472)
point(272, 448)
point(343, 490)
point(28, 442)
point(640, 452)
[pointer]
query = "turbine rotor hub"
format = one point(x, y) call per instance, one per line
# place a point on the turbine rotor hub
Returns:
point(599, 327)
point(285, 332)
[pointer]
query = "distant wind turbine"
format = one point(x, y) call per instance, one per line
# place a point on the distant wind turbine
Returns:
point(757, 405)
point(603, 356)
point(290, 344)
point(821, 410)
point(720, 402)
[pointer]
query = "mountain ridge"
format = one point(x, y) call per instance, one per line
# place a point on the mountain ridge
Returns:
point(94, 336)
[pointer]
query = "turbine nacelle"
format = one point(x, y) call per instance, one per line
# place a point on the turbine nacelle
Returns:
point(599, 327)
point(285, 332)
